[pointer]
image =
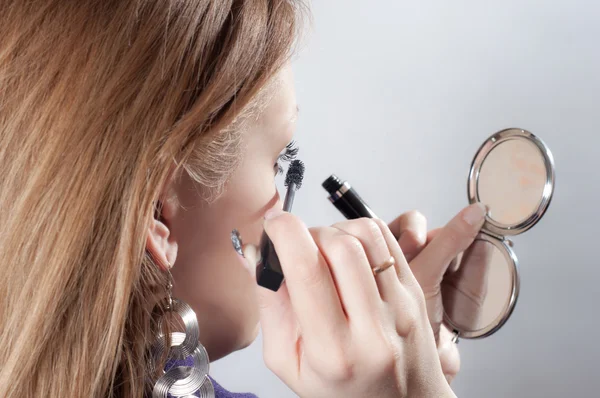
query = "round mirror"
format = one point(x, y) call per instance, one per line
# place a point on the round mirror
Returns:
point(481, 290)
point(513, 174)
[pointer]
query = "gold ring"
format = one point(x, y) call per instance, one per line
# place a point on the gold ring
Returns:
point(387, 264)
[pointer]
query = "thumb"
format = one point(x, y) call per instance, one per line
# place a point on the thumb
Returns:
point(277, 318)
point(251, 256)
point(430, 266)
point(272, 304)
point(449, 354)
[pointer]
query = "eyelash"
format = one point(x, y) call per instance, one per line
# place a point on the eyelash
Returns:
point(289, 154)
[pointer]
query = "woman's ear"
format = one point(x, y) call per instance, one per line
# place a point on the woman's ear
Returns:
point(159, 241)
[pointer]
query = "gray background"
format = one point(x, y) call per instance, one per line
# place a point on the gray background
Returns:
point(397, 96)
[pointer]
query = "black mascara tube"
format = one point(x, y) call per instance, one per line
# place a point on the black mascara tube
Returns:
point(346, 199)
point(269, 273)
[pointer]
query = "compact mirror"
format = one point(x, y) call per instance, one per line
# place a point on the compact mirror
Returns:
point(512, 174)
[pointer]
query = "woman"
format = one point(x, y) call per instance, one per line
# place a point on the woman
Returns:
point(134, 136)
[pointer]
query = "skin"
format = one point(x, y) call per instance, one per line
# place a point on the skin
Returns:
point(431, 256)
point(196, 236)
point(214, 280)
point(334, 329)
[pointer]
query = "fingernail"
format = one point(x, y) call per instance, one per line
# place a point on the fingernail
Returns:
point(252, 254)
point(236, 240)
point(272, 213)
point(475, 214)
point(252, 258)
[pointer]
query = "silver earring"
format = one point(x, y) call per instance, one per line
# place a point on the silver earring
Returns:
point(186, 371)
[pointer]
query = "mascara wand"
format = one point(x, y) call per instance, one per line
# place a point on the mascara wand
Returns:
point(293, 182)
point(269, 273)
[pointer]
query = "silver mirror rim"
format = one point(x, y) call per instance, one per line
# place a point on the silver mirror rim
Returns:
point(496, 227)
point(513, 265)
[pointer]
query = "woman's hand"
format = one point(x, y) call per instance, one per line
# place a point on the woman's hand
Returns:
point(430, 255)
point(334, 329)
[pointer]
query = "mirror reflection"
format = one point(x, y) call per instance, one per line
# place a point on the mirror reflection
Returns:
point(477, 290)
point(511, 181)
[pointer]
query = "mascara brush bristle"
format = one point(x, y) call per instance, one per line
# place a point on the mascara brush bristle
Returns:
point(295, 174)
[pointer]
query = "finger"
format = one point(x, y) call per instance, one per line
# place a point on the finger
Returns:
point(313, 295)
point(431, 235)
point(369, 234)
point(275, 306)
point(431, 264)
point(403, 272)
point(250, 254)
point(449, 354)
point(453, 266)
point(399, 298)
point(411, 231)
point(277, 320)
point(352, 274)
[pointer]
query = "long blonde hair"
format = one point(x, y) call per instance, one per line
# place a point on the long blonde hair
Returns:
point(98, 100)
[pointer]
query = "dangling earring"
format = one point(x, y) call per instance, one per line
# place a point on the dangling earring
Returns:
point(186, 371)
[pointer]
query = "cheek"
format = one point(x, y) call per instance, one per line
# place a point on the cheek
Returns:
point(209, 274)
point(250, 193)
point(246, 203)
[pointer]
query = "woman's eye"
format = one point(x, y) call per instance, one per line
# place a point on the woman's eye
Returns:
point(289, 154)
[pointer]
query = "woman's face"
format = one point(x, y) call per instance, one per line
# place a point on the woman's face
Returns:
point(208, 273)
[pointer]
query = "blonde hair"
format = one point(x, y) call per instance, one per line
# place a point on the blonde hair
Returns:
point(98, 100)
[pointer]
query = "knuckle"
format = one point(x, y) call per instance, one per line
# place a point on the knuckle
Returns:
point(379, 357)
point(372, 232)
point(380, 223)
point(319, 233)
point(367, 228)
point(412, 316)
point(418, 297)
point(344, 246)
point(368, 225)
point(407, 327)
point(415, 215)
point(335, 366)
point(340, 373)
point(414, 238)
point(382, 361)
point(283, 223)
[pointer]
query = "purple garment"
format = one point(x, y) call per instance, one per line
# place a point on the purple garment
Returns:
point(220, 392)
